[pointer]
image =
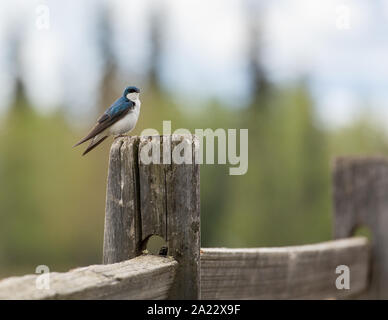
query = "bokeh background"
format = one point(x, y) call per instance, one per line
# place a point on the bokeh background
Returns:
point(308, 79)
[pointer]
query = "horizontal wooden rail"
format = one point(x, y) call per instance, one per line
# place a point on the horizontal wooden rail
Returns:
point(144, 277)
point(298, 272)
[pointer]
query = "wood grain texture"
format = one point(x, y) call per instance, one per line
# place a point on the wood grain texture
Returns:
point(170, 208)
point(155, 198)
point(360, 196)
point(298, 272)
point(183, 221)
point(153, 190)
point(144, 277)
point(122, 230)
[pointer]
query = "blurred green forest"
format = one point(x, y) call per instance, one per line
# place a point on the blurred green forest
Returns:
point(52, 200)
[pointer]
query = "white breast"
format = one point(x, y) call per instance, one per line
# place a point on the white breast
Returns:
point(127, 123)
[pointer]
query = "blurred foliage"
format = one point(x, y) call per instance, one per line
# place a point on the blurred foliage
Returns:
point(52, 199)
point(46, 215)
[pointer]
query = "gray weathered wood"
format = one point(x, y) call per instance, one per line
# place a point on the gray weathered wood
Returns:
point(122, 217)
point(360, 188)
point(144, 277)
point(298, 272)
point(183, 221)
point(165, 202)
point(153, 191)
point(170, 207)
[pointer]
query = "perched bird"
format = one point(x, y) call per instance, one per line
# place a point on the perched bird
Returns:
point(119, 118)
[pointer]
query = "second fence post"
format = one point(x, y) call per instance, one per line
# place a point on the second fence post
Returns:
point(153, 189)
point(361, 199)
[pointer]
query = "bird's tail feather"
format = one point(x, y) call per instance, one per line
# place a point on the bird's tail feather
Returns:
point(82, 141)
point(90, 135)
point(94, 144)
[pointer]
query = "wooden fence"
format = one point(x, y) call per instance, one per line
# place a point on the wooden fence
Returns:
point(163, 199)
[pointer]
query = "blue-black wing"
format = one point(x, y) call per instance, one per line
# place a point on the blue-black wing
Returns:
point(116, 112)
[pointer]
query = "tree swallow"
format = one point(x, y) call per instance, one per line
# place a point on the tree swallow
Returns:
point(119, 118)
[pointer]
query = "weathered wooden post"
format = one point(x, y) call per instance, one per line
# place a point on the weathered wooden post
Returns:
point(153, 189)
point(361, 199)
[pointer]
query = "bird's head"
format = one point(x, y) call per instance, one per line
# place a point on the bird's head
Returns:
point(131, 93)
